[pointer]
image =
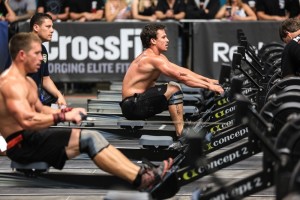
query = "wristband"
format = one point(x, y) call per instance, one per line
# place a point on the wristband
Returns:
point(67, 109)
point(59, 117)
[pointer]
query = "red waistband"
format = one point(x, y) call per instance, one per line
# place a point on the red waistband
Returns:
point(14, 141)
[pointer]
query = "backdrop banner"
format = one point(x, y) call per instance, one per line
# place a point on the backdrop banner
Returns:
point(215, 42)
point(4, 54)
point(94, 52)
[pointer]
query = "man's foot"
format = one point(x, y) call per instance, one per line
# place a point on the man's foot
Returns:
point(181, 143)
point(151, 175)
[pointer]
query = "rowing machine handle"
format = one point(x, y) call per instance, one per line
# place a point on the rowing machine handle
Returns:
point(83, 116)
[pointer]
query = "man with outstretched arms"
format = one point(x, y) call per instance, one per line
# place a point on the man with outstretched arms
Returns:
point(25, 124)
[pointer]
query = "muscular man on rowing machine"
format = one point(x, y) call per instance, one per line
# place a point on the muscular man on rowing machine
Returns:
point(142, 98)
point(25, 124)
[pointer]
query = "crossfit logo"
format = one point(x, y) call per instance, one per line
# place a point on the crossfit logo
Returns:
point(95, 48)
point(93, 55)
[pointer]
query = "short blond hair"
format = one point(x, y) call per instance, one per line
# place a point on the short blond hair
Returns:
point(22, 41)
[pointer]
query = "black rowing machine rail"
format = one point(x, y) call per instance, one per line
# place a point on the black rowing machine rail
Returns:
point(292, 192)
point(288, 144)
point(277, 110)
point(258, 181)
point(188, 173)
point(257, 69)
point(222, 132)
point(279, 160)
point(284, 85)
point(168, 187)
point(214, 102)
point(225, 106)
point(259, 85)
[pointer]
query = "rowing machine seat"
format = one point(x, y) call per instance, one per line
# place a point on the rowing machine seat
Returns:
point(131, 124)
point(155, 141)
point(30, 169)
point(127, 195)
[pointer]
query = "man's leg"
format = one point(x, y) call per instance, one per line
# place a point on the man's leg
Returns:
point(111, 160)
point(114, 162)
point(176, 112)
point(175, 107)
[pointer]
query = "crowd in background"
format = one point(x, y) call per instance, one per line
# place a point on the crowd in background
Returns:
point(16, 12)
point(149, 10)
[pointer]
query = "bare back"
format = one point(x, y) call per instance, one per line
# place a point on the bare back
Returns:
point(141, 74)
point(13, 87)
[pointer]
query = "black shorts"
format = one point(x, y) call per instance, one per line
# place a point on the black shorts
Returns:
point(145, 105)
point(47, 145)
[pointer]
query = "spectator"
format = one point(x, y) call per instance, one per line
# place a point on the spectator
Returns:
point(41, 24)
point(86, 10)
point(236, 10)
point(24, 9)
point(294, 8)
point(203, 9)
point(143, 10)
point(289, 32)
point(117, 9)
point(57, 9)
point(170, 9)
point(271, 10)
point(6, 12)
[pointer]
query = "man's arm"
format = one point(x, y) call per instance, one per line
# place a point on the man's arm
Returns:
point(10, 12)
point(87, 15)
point(185, 75)
point(61, 16)
point(76, 16)
point(65, 15)
point(49, 85)
point(160, 15)
point(16, 101)
point(98, 15)
point(263, 16)
point(15, 18)
point(31, 8)
point(179, 16)
point(18, 105)
point(198, 76)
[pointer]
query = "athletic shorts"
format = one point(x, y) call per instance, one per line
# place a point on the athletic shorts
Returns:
point(47, 145)
point(145, 105)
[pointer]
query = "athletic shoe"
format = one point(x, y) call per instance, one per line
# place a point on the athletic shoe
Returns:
point(182, 141)
point(151, 174)
point(176, 146)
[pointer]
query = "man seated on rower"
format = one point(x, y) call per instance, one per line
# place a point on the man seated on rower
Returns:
point(25, 123)
point(142, 98)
